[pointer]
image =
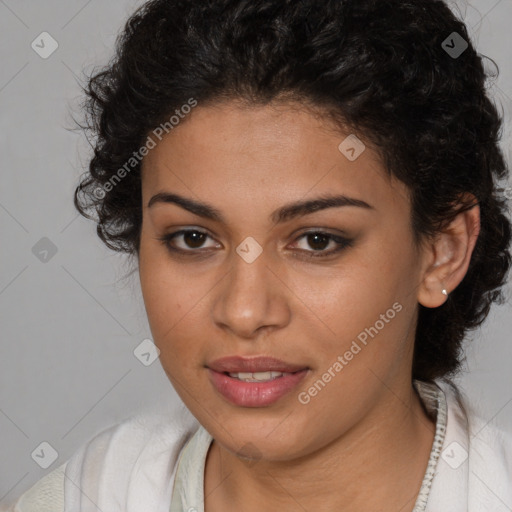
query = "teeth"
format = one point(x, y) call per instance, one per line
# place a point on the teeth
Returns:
point(257, 376)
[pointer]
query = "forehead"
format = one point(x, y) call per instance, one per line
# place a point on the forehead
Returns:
point(284, 152)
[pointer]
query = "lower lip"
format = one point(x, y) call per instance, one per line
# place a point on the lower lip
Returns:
point(254, 394)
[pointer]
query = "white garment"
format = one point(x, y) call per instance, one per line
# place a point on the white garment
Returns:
point(132, 466)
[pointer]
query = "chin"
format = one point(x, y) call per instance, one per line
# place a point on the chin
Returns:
point(254, 441)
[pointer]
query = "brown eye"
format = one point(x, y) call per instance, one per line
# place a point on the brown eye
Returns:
point(192, 239)
point(319, 240)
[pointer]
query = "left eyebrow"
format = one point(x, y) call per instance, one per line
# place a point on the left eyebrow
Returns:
point(281, 215)
point(293, 210)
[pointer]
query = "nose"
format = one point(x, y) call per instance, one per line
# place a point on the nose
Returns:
point(251, 298)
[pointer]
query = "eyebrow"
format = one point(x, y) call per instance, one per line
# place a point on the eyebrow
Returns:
point(283, 214)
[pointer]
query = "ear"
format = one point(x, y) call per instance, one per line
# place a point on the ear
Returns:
point(447, 257)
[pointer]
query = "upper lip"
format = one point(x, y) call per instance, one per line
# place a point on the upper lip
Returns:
point(235, 364)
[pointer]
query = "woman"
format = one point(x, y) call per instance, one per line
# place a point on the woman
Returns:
point(309, 191)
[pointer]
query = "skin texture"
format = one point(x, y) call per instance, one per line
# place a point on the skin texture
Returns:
point(363, 442)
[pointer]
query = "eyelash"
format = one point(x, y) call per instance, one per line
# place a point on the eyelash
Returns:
point(342, 243)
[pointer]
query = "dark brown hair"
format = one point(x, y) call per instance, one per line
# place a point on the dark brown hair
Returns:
point(388, 68)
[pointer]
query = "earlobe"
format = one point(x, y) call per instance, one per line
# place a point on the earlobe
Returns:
point(448, 256)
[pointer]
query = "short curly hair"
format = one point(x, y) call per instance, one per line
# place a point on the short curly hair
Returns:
point(391, 70)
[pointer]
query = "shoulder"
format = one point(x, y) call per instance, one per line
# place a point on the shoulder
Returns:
point(484, 450)
point(485, 437)
point(137, 455)
point(490, 463)
point(46, 495)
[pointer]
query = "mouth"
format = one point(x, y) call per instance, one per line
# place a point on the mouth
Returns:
point(255, 389)
point(258, 376)
point(256, 381)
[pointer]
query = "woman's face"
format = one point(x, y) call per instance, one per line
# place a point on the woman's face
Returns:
point(339, 304)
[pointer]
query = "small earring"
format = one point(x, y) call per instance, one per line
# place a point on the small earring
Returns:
point(444, 292)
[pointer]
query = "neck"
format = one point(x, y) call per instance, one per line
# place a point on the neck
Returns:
point(381, 460)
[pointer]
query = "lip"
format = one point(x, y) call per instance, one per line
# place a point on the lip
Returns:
point(254, 394)
point(234, 364)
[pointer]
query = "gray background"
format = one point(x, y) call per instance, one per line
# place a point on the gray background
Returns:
point(70, 324)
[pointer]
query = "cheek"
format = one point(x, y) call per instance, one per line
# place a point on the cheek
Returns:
point(364, 312)
point(164, 307)
point(173, 308)
point(161, 295)
point(169, 325)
